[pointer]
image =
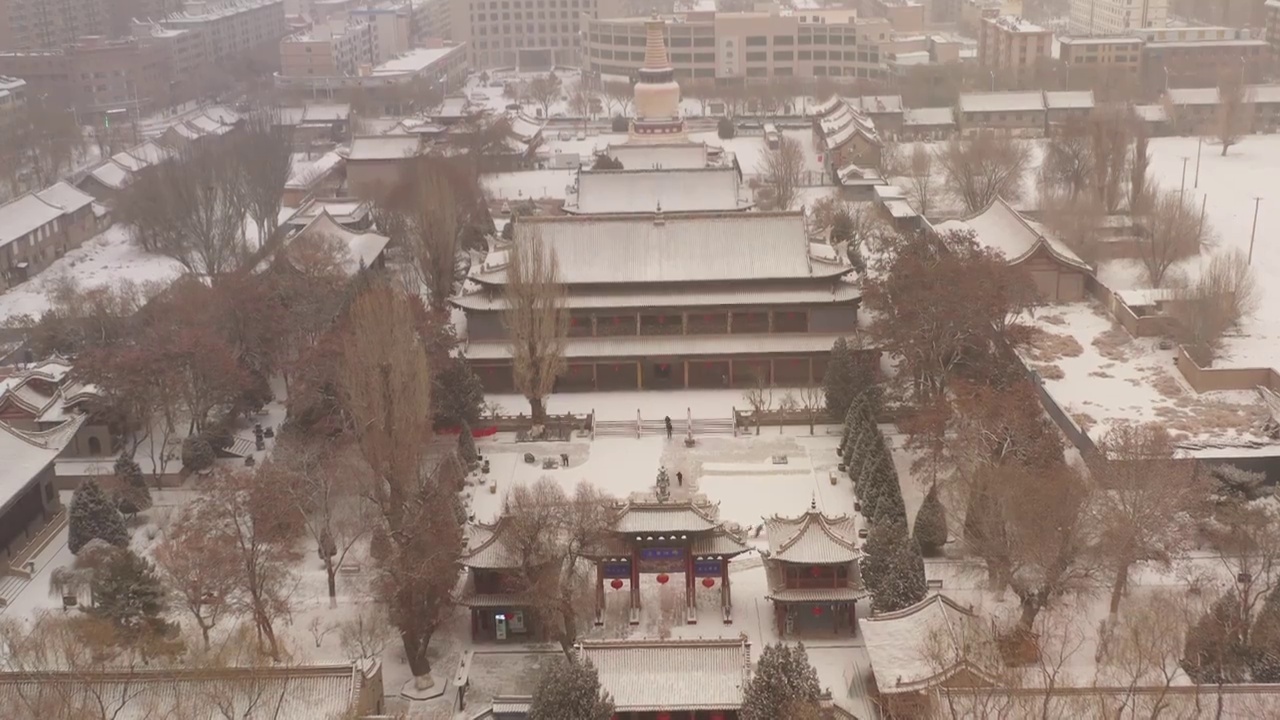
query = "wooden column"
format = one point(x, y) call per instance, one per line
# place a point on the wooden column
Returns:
point(595, 376)
point(769, 315)
point(599, 618)
point(684, 323)
point(686, 373)
point(690, 592)
point(637, 323)
point(635, 577)
point(639, 374)
point(593, 325)
point(726, 595)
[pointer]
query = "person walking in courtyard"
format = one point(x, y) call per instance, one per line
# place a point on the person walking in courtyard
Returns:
point(667, 421)
point(679, 479)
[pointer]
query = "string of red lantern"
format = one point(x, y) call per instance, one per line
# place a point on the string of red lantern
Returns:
point(817, 610)
point(663, 578)
point(616, 584)
point(708, 582)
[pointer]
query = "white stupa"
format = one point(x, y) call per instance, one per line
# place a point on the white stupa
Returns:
point(657, 94)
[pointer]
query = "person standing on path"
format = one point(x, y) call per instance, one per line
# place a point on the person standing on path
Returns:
point(679, 479)
point(667, 421)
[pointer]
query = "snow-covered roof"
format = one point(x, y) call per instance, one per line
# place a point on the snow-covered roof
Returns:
point(704, 189)
point(486, 549)
point(1192, 96)
point(845, 123)
point(317, 692)
point(672, 675)
point(1005, 229)
point(523, 127)
point(111, 174)
point(1069, 99)
point(384, 147)
point(26, 453)
point(658, 345)
point(222, 114)
point(24, 215)
point(1001, 102)
point(690, 296)
point(826, 107)
point(1264, 93)
point(187, 130)
point(326, 112)
point(209, 124)
point(362, 249)
point(896, 644)
point(812, 538)
point(63, 195)
point(150, 153)
point(346, 211)
point(881, 103)
point(676, 517)
point(668, 157)
point(1151, 113)
point(1017, 23)
point(305, 172)
point(854, 174)
point(710, 247)
point(929, 116)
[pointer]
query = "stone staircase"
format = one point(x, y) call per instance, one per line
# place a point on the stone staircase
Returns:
point(18, 574)
point(641, 427)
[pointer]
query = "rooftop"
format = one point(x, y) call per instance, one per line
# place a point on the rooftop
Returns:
point(1193, 96)
point(672, 675)
point(657, 345)
point(1016, 23)
point(813, 538)
point(688, 296)
point(24, 215)
point(416, 61)
point(896, 644)
point(929, 116)
point(25, 454)
point(1001, 102)
point(384, 147)
point(699, 189)
point(1002, 228)
point(675, 156)
point(711, 247)
point(358, 250)
point(1069, 99)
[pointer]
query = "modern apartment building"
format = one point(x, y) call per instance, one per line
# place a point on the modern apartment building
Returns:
point(332, 48)
point(446, 64)
point(1113, 17)
point(13, 95)
point(49, 24)
point(1200, 56)
point(234, 32)
point(751, 46)
point(530, 34)
point(1096, 55)
point(94, 75)
point(1273, 25)
point(1009, 47)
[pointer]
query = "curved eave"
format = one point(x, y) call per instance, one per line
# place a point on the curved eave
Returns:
point(1043, 244)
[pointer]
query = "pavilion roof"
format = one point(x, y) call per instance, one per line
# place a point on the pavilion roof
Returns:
point(672, 675)
point(813, 538)
point(1000, 227)
point(645, 516)
point(486, 547)
point(896, 642)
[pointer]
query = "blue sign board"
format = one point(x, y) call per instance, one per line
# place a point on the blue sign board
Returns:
point(617, 570)
point(707, 568)
point(661, 553)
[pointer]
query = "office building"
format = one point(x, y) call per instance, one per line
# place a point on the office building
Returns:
point(1010, 47)
point(1113, 17)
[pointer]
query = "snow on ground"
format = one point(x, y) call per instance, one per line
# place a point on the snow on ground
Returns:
point(107, 258)
point(1100, 376)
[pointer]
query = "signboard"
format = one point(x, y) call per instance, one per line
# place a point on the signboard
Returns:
point(515, 622)
point(620, 570)
point(500, 629)
point(660, 560)
point(707, 568)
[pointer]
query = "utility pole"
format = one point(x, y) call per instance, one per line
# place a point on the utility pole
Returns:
point(1256, 202)
point(1199, 147)
point(1183, 192)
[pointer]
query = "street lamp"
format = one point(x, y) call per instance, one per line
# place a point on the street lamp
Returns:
point(993, 81)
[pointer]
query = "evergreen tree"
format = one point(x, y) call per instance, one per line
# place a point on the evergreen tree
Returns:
point(93, 515)
point(127, 592)
point(1215, 651)
point(893, 569)
point(784, 683)
point(467, 447)
point(457, 395)
point(930, 530)
point(132, 495)
point(842, 227)
point(724, 129)
point(569, 689)
point(197, 454)
point(1264, 641)
point(837, 381)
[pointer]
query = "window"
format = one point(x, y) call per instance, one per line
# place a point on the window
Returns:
point(757, 56)
point(806, 55)
point(783, 40)
point(704, 57)
point(783, 55)
point(757, 72)
point(757, 41)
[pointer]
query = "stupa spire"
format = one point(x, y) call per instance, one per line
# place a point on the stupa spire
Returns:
point(655, 45)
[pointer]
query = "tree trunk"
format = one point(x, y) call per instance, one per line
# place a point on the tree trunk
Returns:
point(1031, 605)
point(415, 652)
point(332, 572)
point(538, 409)
point(1225, 146)
point(1118, 588)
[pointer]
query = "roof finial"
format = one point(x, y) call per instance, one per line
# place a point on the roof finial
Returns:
point(813, 502)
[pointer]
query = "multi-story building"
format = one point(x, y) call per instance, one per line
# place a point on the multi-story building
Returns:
point(1112, 17)
point(906, 16)
point(530, 34)
point(1011, 47)
point(330, 49)
point(94, 75)
point(49, 24)
point(1232, 13)
point(1200, 56)
point(234, 32)
point(752, 46)
point(432, 19)
point(445, 64)
point(1101, 62)
point(13, 95)
point(40, 227)
point(1273, 25)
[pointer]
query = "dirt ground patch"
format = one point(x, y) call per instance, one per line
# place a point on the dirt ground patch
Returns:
point(1045, 347)
point(1048, 371)
point(1084, 420)
point(1113, 344)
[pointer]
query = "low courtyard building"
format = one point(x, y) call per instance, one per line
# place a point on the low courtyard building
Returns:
point(707, 300)
point(812, 568)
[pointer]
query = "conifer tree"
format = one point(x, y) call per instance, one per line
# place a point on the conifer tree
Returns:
point(569, 689)
point(837, 380)
point(131, 494)
point(127, 592)
point(467, 446)
point(1215, 651)
point(893, 569)
point(930, 529)
point(784, 684)
point(93, 515)
point(1264, 641)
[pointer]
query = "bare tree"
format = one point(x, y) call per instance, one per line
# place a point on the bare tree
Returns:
point(551, 535)
point(619, 93)
point(813, 399)
point(199, 569)
point(1233, 121)
point(366, 633)
point(536, 318)
point(544, 90)
point(1068, 166)
point(1225, 294)
point(263, 148)
point(582, 103)
point(1109, 134)
point(37, 145)
point(324, 485)
point(422, 216)
point(386, 387)
point(1172, 230)
point(1147, 505)
point(1143, 647)
point(1139, 173)
point(920, 184)
point(759, 396)
point(781, 169)
point(1075, 221)
point(983, 167)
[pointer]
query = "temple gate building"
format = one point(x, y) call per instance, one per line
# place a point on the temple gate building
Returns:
point(812, 571)
point(706, 300)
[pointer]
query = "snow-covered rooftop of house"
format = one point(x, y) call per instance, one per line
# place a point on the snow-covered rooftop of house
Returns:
point(383, 147)
point(320, 692)
point(23, 215)
point(27, 453)
point(1193, 96)
point(680, 248)
point(899, 644)
point(881, 103)
point(1264, 93)
point(304, 172)
point(326, 112)
point(1017, 23)
point(1001, 102)
point(112, 174)
point(672, 675)
point(929, 116)
point(1005, 229)
point(187, 130)
point(703, 189)
point(416, 60)
point(1069, 99)
point(1151, 113)
point(899, 209)
point(345, 211)
point(668, 157)
point(64, 195)
point(150, 153)
point(362, 249)
point(209, 124)
point(523, 127)
point(813, 538)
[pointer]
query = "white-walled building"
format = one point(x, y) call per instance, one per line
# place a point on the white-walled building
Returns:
point(1111, 17)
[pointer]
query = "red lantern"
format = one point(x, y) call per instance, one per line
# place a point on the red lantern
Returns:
point(708, 582)
point(663, 578)
point(815, 571)
point(817, 610)
point(616, 584)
